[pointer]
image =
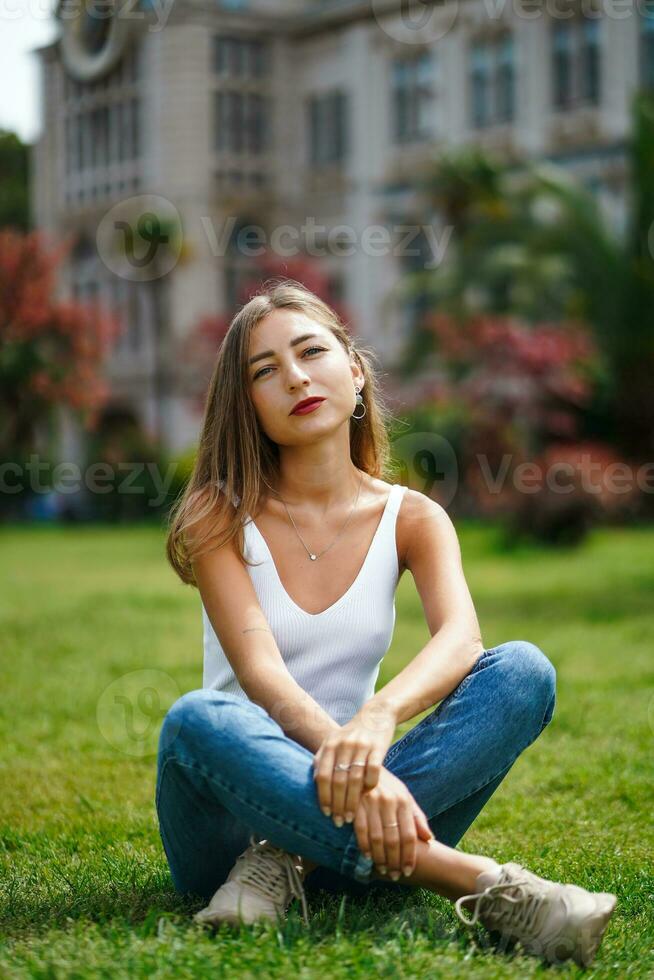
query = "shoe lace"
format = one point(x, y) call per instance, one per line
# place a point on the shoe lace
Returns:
point(273, 873)
point(524, 901)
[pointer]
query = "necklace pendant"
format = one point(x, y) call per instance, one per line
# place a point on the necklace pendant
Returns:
point(313, 557)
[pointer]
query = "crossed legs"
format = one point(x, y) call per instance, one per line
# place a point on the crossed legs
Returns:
point(226, 769)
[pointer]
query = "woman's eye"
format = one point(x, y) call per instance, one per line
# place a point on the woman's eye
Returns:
point(260, 373)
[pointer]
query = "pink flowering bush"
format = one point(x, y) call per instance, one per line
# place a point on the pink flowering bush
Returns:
point(510, 395)
point(51, 351)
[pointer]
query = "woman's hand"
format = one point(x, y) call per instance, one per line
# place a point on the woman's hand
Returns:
point(392, 849)
point(364, 740)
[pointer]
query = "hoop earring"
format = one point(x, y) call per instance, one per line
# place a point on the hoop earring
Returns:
point(359, 402)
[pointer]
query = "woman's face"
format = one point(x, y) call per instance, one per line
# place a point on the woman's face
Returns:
point(297, 366)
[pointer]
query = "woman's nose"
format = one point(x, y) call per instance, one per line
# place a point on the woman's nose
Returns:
point(295, 375)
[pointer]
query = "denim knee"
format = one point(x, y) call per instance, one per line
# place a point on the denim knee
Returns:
point(194, 713)
point(533, 676)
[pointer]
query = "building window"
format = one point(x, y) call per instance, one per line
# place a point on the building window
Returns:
point(327, 120)
point(505, 109)
point(101, 129)
point(480, 84)
point(576, 64)
point(136, 130)
point(590, 54)
point(562, 64)
point(113, 133)
point(241, 104)
point(84, 271)
point(70, 145)
point(133, 64)
point(235, 121)
point(220, 120)
point(127, 122)
point(99, 123)
point(240, 122)
point(256, 122)
point(258, 58)
point(492, 81)
point(102, 135)
point(240, 57)
point(646, 70)
point(412, 97)
point(78, 142)
point(85, 140)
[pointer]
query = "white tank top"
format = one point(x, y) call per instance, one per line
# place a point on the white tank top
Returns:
point(335, 654)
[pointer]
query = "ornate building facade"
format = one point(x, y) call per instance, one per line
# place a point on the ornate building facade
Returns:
point(310, 121)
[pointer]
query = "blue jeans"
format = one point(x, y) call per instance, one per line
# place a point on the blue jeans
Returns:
point(226, 769)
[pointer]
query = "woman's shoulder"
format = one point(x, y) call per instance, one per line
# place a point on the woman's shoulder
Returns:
point(415, 508)
point(213, 514)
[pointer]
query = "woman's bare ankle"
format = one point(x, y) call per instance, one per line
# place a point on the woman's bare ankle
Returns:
point(440, 868)
point(443, 869)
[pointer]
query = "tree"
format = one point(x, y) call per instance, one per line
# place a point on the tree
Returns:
point(533, 379)
point(531, 242)
point(14, 189)
point(50, 350)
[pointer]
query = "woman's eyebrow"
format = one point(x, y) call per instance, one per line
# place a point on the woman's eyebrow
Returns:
point(271, 353)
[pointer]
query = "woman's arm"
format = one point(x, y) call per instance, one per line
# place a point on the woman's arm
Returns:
point(433, 555)
point(269, 684)
point(430, 549)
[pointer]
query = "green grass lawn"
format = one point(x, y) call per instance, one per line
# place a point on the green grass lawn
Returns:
point(85, 887)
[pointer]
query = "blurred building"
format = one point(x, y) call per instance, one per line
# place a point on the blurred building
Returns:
point(291, 114)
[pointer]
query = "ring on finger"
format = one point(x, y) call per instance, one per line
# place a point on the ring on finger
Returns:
point(384, 825)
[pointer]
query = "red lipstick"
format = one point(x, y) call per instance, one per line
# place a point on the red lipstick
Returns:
point(306, 405)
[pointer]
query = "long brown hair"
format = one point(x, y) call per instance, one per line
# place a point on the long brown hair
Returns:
point(235, 457)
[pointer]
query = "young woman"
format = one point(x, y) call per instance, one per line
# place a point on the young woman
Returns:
point(279, 773)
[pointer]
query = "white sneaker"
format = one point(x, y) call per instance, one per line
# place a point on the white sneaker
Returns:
point(553, 920)
point(261, 885)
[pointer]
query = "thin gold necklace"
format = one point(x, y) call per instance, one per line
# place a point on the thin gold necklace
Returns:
point(310, 553)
